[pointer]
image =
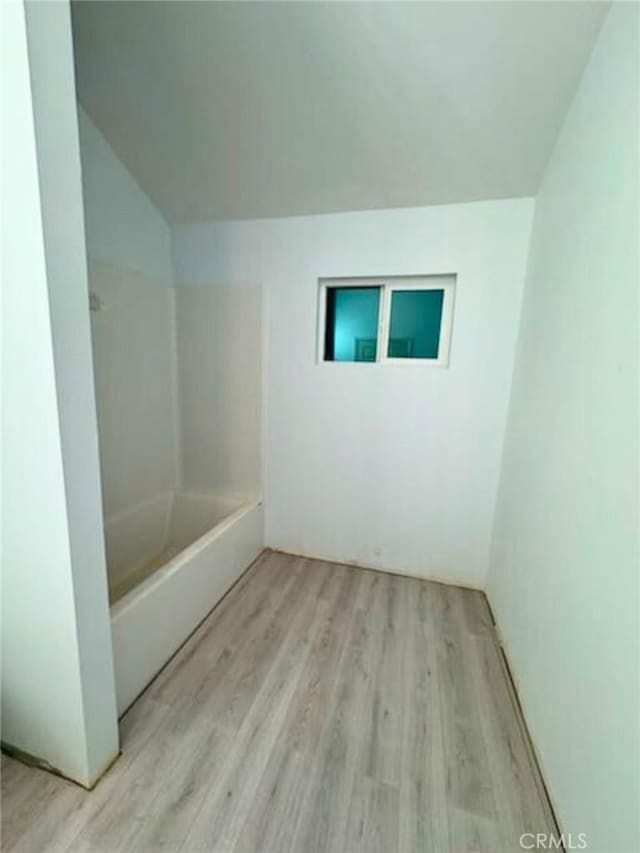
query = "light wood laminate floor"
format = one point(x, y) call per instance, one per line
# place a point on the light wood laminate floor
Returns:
point(319, 707)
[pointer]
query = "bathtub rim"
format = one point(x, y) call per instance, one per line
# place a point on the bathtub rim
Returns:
point(173, 565)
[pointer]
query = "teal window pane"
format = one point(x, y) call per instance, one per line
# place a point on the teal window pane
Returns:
point(352, 323)
point(414, 328)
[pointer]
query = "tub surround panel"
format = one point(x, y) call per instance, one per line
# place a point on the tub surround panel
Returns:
point(133, 352)
point(219, 344)
point(135, 536)
point(193, 515)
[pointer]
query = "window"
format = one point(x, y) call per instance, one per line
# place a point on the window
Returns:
point(395, 320)
point(351, 331)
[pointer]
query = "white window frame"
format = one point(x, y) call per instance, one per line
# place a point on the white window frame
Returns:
point(387, 286)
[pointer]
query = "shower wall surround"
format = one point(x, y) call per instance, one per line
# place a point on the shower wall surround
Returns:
point(134, 357)
point(133, 339)
point(177, 373)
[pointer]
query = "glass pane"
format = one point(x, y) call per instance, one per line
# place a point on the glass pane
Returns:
point(352, 324)
point(414, 329)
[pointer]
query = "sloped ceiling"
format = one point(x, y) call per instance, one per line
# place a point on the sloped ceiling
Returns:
point(241, 110)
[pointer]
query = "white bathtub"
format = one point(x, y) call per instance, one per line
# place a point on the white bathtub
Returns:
point(183, 551)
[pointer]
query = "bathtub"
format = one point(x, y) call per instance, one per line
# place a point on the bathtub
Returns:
point(170, 560)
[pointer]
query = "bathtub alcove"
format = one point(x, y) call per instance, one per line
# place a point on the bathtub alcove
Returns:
point(178, 379)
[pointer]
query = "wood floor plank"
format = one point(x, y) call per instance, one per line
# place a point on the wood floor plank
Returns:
point(471, 806)
point(231, 794)
point(372, 825)
point(168, 817)
point(320, 708)
point(519, 804)
point(424, 824)
point(323, 819)
point(271, 822)
point(384, 727)
point(114, 825)
point(28, 819)
point(476, 614)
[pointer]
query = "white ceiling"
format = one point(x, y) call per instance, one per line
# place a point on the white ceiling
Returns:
point(242, 110)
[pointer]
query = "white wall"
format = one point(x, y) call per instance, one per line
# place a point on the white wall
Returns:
point(392, 466)
point(123, 226)
point(564, 581)
point(58, 697)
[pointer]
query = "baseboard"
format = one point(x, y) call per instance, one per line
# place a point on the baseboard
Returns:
point(386, 571)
